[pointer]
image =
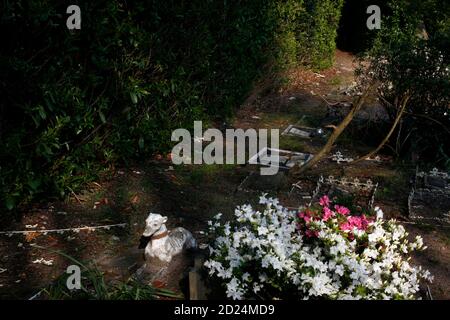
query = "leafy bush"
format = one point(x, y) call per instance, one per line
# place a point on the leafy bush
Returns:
point(411, 58)
point(321, 252)
point(319, 28)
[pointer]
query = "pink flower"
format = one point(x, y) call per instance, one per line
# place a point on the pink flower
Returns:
point(327, 213)
point(360, 223)
point(346, 226)
point(311, 234)
point(324, 201)
point(305, 216)
point(355, 222)
point(364, 222)
point(342, 210)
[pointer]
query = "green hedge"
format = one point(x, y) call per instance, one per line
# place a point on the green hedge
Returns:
point(318, 32)
point(75, 103)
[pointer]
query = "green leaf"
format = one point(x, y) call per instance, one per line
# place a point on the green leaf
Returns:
point(10, 203)
point(102, 116)
point(34, 184)
point(134, 98)
point(42, 113)
point(141, 143)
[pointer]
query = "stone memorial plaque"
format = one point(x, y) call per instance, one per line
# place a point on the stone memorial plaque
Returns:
point(434, 179)
point(286, 159)
point(429, 200)
point(303, 132)
point(429, 206)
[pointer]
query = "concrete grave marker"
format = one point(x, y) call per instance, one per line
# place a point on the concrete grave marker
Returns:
point(429, 199)
point(429, 206)
point(303, 132)
point(434, 179)
point(287, 159)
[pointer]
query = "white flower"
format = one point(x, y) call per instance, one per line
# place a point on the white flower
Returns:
point(319, 267)
point(256, 287)
point(370, 253)
point(262, 231)
point(339, 270)
point(379, 213)
point(263, 277)
point(234, 291)
point(321, 285)
point(227, 229)
point(376, 235)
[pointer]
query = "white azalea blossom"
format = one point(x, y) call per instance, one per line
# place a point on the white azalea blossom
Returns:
point(264, 254)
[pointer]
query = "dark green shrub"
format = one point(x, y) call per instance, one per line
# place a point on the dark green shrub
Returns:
point(319, 32)
point(411, 57)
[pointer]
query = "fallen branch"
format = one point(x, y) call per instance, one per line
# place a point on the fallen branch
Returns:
point(403, 104)
point(331, 104)
point(74, 194)
point(335, 135)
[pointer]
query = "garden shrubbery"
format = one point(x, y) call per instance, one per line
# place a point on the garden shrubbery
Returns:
point(319, 28)
point(75, 103)
point(323, 251)
point(410, 60)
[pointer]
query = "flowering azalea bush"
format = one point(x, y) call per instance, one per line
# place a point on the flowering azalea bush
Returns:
point(322, 251)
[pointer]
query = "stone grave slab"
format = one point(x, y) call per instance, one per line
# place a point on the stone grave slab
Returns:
point(429, 200)
point(434, 179)
point(287, 159)
point(429, 206)
point(303, 132)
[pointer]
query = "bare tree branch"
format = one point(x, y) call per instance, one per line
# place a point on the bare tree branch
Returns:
point(335, 135)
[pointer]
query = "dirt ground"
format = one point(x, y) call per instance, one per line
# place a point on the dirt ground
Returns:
point(191, 195)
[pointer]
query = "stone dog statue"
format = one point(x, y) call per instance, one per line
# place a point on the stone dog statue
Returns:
point(161, 243)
